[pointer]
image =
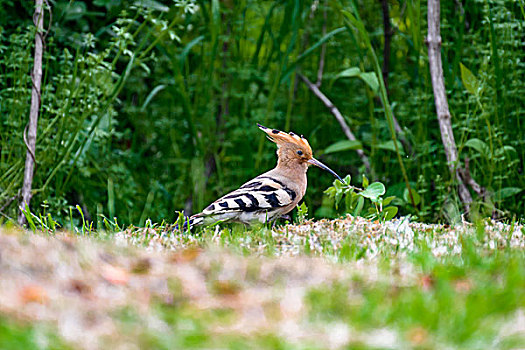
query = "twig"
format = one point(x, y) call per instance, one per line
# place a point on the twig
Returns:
point(440, 98)
point(6, 204)
point(465, 175)
point(26, 143)
point(337, 114)
point(5, 215)
point(36, 79)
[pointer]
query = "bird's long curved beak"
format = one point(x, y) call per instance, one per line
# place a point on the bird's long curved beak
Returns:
point(315, 162)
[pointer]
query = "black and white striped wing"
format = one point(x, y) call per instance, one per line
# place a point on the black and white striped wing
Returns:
point(263, 193)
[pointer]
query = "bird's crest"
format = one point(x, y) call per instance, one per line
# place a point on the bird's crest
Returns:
point(281, 138)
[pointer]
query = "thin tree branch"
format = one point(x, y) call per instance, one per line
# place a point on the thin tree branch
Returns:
point(440, 98)
point(27, 144)
point(465, 175)
point(337, 114)
point(36, 78)
point(6, 204)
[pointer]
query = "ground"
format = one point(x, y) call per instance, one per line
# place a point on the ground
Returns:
point(347, 283)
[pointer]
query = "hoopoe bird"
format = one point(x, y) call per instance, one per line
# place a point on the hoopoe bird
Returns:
point(269, 195)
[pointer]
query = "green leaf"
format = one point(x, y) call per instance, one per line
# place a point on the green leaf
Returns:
point(374, 191)
point(387, 200)
point(369, 78)
point(348, 73)
point(338, 197)
point(330, 191)
point(350, 200)
point(365, 181)
point(359, 207)
point(415, 195)
point(504, 150)
point(302, 212)
point(350, 16)
point(151, 95)
point(506, 192)
point(479, 146)
point(187, 50)
point(390, 146)
point(343, 145)
point(389, 213)
point(357, 23)
point(414, 15)
point(469, 80)
point(29, 218)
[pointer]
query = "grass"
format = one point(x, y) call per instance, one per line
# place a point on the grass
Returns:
point(14, 335)
point(346, 283)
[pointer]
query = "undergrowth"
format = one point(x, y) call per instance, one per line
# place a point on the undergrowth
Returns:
point(150, 107)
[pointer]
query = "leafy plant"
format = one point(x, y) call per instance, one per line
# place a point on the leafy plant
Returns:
point(367, 201)
point(302, 213)
point(150, 107)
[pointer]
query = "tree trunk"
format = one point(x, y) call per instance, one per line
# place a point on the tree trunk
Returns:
point(440, 99)
point(30, 138)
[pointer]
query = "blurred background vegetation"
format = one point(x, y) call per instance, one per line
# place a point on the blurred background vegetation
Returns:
point(149, 107)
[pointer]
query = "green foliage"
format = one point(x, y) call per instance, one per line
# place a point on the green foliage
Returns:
point(77, 121)
point(302, 212)
point(150, 107)
point(343, 145)
point(469, 80)
point(355, 201)
point(368, 77)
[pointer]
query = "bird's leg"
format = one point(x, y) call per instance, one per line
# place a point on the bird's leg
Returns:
point(286, 217)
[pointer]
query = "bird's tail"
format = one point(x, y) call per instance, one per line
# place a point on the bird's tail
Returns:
point(189, 222)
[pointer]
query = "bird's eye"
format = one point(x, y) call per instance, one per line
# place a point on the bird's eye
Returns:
point(300, 153)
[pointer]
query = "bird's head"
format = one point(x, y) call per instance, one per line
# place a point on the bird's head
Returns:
point(294, 150)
